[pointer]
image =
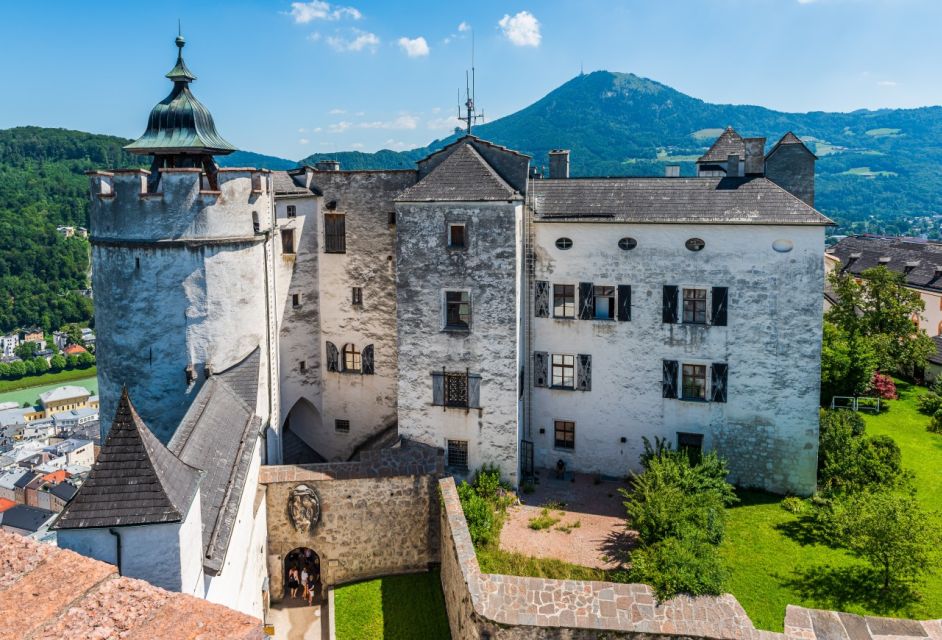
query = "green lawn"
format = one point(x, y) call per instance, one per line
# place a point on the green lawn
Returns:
point(773, 564)
point(392, 608)
point(28, 389)
point(493, 559)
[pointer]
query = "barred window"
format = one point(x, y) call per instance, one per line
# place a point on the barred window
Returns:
point(357, 295)
point(564, 434)
point(335, 233)
point(295, 300)
point(695, 306)
point(342, 426)
point(564, 367)
point(456, 389)
point(292, 211)
point(458, 454)
point(693, 385)
point(564, 301)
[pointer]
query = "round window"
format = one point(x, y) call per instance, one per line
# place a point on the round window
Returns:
point(783, 246)
point(695, 244)
point(563, 243)
point(627, 244)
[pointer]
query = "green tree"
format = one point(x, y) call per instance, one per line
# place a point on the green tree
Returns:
point(40, 366)
point(17, 370)
point(74, 332)
point(57, 363)
point(850, 461)
point(85, 360)
point(71, 362)
point(4, 370)
point(26, 350)
point(891, 532)
point(847, 363)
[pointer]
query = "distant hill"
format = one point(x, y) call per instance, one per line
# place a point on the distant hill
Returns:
point(882, 163)
point(257, 160)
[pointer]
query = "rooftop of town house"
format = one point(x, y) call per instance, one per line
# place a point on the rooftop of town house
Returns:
point(919, 261)
point(66, 392)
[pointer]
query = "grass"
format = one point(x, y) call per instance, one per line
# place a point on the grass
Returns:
point(543, 521)
point(865, 172)
point(882, 132)
point(392, 608)
point(493, 559)
point(28, 389)
point(773, 561)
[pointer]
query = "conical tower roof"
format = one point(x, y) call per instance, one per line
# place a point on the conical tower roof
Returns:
point(180, 123)
point(135, 480)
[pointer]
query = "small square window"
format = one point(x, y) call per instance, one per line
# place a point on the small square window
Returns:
point(295, 300)
point(458, 454)
point(287, 241)
point(694, 382)
point(292, 211)
point(563, 371)
point(456, 236)
point(695, 304)
point(357, 296)
point(342, 426)
point(564, 434)
point(458, 310)
point(564, 301)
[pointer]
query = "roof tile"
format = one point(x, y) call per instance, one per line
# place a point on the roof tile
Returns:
point(464, 176)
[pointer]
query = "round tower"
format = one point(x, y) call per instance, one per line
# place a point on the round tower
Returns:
point(181, 264)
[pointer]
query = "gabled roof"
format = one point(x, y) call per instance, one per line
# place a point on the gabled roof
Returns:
point(789, 138)
point(286, 184)
point(25, 517)
point(135, 480)
point(464, 176)
point(729, 143)
point(917, 260)
point(66, 392)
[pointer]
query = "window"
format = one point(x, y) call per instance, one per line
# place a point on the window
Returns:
point(391, 218)
point(564, 243)
point(695, 305)
point(456, 236)
point(604, 303)
point(458, 454)
point(691, 444)
point(564, 301)
point(695, 244)
point(351, 358)
point(295, 300)
point(564, 367)
point(693, 385)
point(457, 310)
point(256, 227)
point(627, 244)
point(287, 241)
point(302, 366)
point(335, 233)
point(357, 295)
point(564, 434)
point(292, 211)
point(342, 426)
point(456, 389)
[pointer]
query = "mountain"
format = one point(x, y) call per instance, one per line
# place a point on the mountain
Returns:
point(880, 163)
point(257, 160)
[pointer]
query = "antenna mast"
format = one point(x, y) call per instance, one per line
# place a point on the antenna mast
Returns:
point(470, 115)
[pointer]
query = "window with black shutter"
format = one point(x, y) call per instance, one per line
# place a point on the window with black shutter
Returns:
point(720, 302)
point(333, 357)
point(540, 368)
point(691, 444)
point(367, 360)
point(292, 211)
point(669, 381)
point(564, 367)
point(541, 299)
point(586, 301)
point(351, 358)
point(335, 233)
point(604, 303)
point(564, 301)
point(584, 372)
point(624, 302)
point(695, 306)
point(718, 375)
point(669, 305)
point(693, 384)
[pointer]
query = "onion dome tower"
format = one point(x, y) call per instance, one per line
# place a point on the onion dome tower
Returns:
point(180, 130)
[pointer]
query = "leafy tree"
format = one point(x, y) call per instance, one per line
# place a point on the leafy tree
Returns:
point(85, 360)
point(847, 363)
point(26, 350)
point(71, 362)
point(4, 370)
point(57, 363)
point(850, 461)
point(891, 532)
point(74, 333)
point(17, 370)
point(40, 366)
point(679, 565)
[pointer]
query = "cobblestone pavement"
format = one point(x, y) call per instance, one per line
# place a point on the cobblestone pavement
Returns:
point(294, 619)
point(599, 540)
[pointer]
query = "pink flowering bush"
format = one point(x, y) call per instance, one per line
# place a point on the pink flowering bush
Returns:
point(883, 386)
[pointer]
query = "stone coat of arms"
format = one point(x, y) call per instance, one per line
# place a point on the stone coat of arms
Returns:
point(304, 508)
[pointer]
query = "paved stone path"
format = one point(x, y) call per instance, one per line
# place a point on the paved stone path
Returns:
point(294, 619)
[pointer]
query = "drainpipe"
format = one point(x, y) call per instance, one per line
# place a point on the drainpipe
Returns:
point(117, 537)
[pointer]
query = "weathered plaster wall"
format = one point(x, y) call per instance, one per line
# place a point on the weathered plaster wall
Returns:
point(488, 268)
point(180, 279)
point(768, 428)
point(379, 516)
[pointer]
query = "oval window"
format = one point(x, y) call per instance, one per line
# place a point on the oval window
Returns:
point(627, 244)
point(695, 244)
point(563, 243)
point(783, 246)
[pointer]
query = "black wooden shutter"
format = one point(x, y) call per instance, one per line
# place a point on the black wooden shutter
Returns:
point(669, 383)
point(333, 357)
point(718, 375)
point(366, 359)
point(584, 372)
point(541, 299)
point(474, 391)
point(669, 309)
point(438, 389)
point(624, 302)
point(720, 300)
point(540, 368)
point(586, 301)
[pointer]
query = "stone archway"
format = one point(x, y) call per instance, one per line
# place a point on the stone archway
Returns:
point(299, 433)
point(302, 574)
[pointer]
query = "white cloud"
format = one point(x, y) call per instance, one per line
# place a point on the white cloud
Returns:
point(464, 26)
point(522, 29)
point(305, 12)
point(361, 40)
point(414, 47)
point(401, 122)
point(339, 127)
point(303, 141)
point(446, 123)
point(357, 145)
point(806, 1)
point(302, 130)
point(887, 83)
point(398, 145)
point(314, 37)
point(337, 112)
point(360, 114)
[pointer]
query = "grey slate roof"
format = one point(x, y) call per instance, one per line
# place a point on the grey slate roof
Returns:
point(287, 185)
point(64, 491)
point(749, 200)
point(25, 517)
point(936, 358)
point(916, 260)
point(135, 480)
point(789, 138)
point(729, 142)
point(464, 176)
point(219, 433)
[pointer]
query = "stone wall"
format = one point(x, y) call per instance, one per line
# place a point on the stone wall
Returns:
point(379, 516)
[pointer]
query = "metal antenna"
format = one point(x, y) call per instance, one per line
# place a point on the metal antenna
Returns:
point(470, 115)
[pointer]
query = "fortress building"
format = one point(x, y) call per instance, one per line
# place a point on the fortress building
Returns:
point(248, 318)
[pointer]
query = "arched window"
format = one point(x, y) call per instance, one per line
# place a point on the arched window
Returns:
point(351, 358)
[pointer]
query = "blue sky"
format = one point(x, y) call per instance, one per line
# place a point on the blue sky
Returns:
point(292, 78)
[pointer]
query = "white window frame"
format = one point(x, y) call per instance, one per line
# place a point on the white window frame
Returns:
point(575, 429)
point(707, 383)
point(709, 304)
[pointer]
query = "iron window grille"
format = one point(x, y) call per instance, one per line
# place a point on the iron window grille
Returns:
point(455, 389)
point(627, 244)
point(564, 301)
point(564, 436)
point(695, 306)
point(564, 367)
point(342, 426)
point(693, 383)
point(457, 310)
point(335, 233)
point(458, 454)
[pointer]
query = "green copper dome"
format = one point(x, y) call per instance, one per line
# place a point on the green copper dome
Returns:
point(180, 124)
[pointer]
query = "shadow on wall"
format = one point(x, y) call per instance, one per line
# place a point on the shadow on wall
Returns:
point(300, 430)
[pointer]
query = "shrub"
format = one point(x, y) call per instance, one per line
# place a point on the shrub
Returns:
point(794, 504)
point(882, 385)
point(930, 403)
point(679, 565)
point(478, 513)
point(935, 424)
point(849, 460)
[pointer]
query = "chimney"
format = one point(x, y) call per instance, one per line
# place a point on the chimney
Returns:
point(755, 156)
point(559, 164)
point(327, 165)
point(732, 165)
point(672, 171)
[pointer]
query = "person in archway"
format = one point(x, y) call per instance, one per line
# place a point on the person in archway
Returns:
point(304, 577)
point(294, 581)
point(311, 586)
